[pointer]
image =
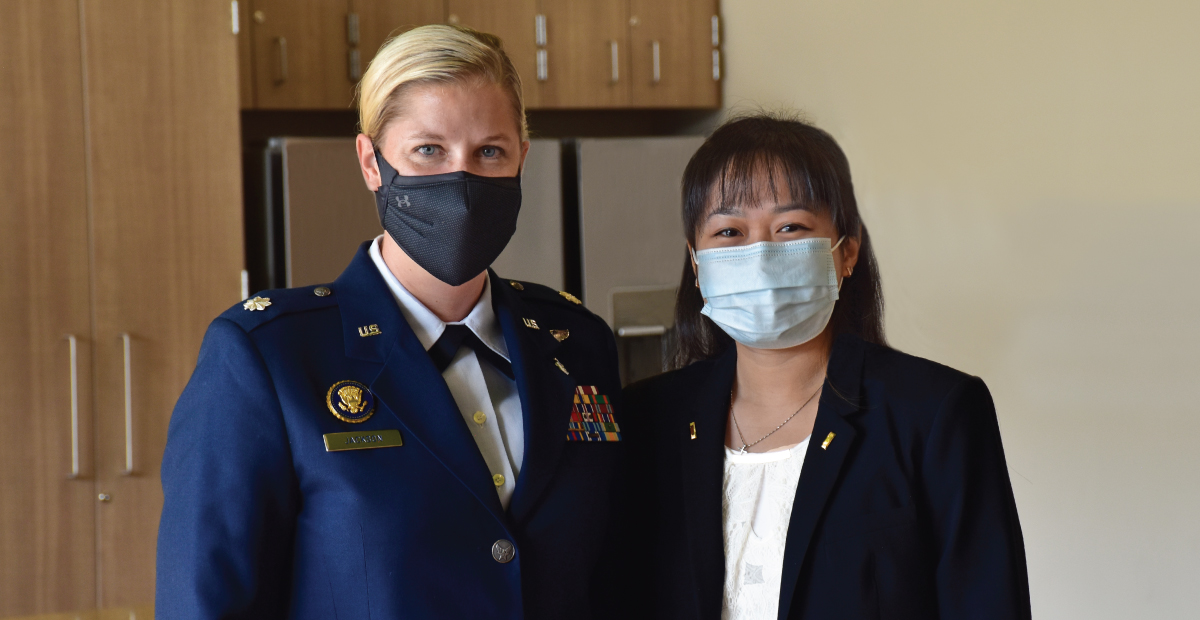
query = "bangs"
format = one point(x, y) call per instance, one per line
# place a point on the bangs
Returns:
point(762, 160)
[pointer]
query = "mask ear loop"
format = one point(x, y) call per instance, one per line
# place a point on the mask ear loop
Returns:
point(835, 246)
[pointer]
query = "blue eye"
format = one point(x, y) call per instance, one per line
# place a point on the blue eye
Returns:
point(490, 151)
point(427, 150)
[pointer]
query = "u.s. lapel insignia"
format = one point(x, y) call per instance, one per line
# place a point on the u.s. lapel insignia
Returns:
point(258, 303)
point(592, 417)
point(560, 334)
point(350, 401)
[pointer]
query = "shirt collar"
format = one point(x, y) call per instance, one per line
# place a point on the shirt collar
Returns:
point(426, 325)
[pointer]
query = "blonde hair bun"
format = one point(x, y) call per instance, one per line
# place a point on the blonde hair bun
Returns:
point(436, 53)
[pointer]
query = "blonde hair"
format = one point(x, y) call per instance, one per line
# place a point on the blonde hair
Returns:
point(433, 54)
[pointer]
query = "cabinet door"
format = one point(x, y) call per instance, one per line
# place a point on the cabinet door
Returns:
point(515, 23)
point(379, 19)
point(671, 54)
point(166, 246)
point(586, 52)
point(300, 54)
point(47, 518)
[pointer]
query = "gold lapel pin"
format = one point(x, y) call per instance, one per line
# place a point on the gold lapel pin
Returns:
point(560, 366)
point(531, 324)
point(560, 334)
point(828, 440)
point(692, 427)
point(368, 330)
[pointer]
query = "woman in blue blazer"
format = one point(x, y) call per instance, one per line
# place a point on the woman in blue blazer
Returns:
point(795, 466)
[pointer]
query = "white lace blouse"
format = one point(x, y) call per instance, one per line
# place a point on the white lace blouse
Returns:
point(759, 491)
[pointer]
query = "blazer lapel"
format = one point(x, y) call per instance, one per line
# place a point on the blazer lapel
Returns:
point(546, 396)
point(703, 461)
point(408, 384)
point(822, 465)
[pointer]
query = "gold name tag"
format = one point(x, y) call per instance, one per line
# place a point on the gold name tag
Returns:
point(361, 440)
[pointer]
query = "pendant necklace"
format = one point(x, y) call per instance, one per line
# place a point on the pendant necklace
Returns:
point(747, 446)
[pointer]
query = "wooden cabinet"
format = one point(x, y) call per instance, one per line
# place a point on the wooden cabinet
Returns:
point(517, 23)
point(674, 54)
point(377, 20)
point(301, 54)
point(124, 208)
point(586, 49)
point(310, 54)
point(571, 54)
point(47, 513)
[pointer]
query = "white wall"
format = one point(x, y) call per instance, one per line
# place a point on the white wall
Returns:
point(1030, 172)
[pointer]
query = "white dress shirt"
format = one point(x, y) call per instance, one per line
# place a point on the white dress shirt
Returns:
point(486, 397)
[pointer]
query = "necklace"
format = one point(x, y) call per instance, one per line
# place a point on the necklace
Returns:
point(746, 446)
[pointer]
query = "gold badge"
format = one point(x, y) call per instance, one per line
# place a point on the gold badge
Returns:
point(368, 330)
point(828, 440)
point(569, 297)
point(560, 334)
point(258, 303)
point(350, 401)
point(531, 324)
point(516, 285)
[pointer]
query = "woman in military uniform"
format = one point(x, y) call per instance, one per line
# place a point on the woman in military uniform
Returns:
point(421, 437)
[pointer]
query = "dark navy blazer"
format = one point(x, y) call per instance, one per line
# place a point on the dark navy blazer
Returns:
point(260, 521)
point(906, 513)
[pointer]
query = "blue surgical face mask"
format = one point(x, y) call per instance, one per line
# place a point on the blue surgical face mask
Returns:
point(770, 295)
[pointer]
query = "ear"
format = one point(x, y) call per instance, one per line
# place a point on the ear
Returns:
point(849, 250)
point(366, 161)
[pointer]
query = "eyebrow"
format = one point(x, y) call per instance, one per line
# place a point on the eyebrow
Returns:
point(738, 210)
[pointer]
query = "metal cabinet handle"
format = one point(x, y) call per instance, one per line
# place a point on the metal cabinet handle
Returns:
point(543, 72)
point(71, 340)
point(125, 339)
point(281, 43)
point(716, 65)
point(654, 53)
point(539, 30)
point(352, 28)
point(716, 31)
point(354, 65)
point(616, 72)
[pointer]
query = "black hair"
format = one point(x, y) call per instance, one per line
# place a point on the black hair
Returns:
point(809, 161)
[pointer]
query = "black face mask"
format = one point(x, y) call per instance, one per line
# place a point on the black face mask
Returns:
point(453, 225)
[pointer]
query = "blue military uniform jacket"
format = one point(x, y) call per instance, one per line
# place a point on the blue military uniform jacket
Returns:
point(261, 521)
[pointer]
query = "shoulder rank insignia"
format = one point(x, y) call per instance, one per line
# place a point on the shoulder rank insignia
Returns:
point(258, 303)
point(569, 297)
point(350, 401)
point(592, 417)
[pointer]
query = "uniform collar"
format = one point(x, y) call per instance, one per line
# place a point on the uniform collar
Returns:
point(426, 325)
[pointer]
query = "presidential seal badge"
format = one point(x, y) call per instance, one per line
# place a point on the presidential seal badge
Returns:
point(350, 401)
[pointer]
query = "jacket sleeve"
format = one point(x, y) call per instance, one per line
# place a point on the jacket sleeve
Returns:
point(981, 569)
point(230, 495)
